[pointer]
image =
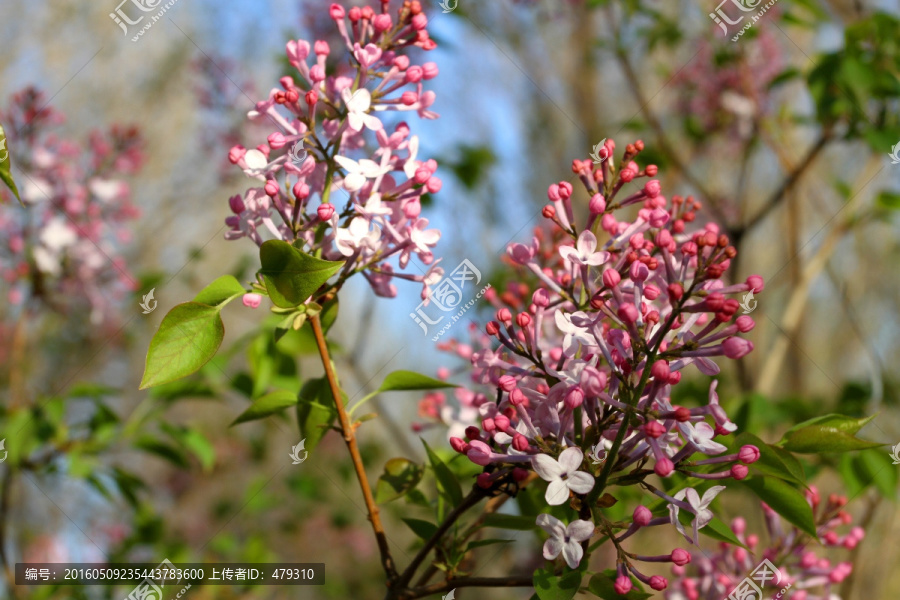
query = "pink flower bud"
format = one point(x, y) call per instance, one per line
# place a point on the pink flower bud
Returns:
point(675, 291)
point(651, 170)
point(654, 429)
point(459, 445)
point(744, 323)
point(382, 22)
point(739, 525)
point(574, 398)
point(325, 211)
point(736, 347)
point(611, 278)
point(520, 474)
point(593, 381)
point(639, 271)
point(627, 313)
point(541, 298)
point(622, 585)
point(504, 315)
point(251, 300)
point(429, 70)
point(336, 11)
point(484, 481)
point(321, 48)
point(401, 62)
point(565, 190)
point(473, 433)
point(748, 454)
point(414, 74)
point(682, 414)
point(276, 140)
point(501, 422)
point(492, 328)
point(651, 292)
point(516, 397)
point(311, 97)
point(317, 74)
point(507, 383)
point(652, 188)
point(597, 204)
point(236, 154)
point(409, 98)
point(420, 22)
point(680, 557)
point(301, 190)
point(520, 442)
point(660, 370)
point(433, 185)
point(355, 14)
point(756, 283)
point(739, 471)
point(488, 425)
point(548, 212)
point(412, 210)
point(271, 188)
point(236, 204)
point(664, 467)
point(659, 217)
point(642, 516)
point(659, 583)
point(523, 320)
point(479, 453)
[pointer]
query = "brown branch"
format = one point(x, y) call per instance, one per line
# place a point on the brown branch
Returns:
point(468, 502)
point(348, 432)
point(787, 185)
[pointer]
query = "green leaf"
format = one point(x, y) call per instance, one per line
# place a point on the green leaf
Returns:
point(602, 586)
point(548, 586)
point(315, 411)
point(292, 276)
point(504, 521)
point(409, 380)
point(770, 461)
point(829, 433)
point(400, 381)
point(399, 477)
point(195, 442)
point(423, 529)
point(480, 543)
point(161, 449)
point(785, 500)
point(447, 482)
point(220, 292)
point(267, 405)
point(5, 174)
point(189, 335)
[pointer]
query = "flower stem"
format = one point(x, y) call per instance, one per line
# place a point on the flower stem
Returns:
point(348, 432)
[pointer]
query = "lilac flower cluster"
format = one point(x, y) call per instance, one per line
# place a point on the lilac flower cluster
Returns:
point(322, 121)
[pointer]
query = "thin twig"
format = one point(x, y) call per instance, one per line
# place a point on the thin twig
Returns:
point(437, 588)
point(349, 434)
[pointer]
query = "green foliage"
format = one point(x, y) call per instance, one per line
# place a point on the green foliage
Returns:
point(5, 174)
point(829, 433)
point(868, 468)
point(772, 461)
point(548, 586)
point(784, 499)
point(292, 276)
point(190, 334)
point(399, 478)
point(448, 486)
point(267, 405)
point(316, 411)
point(404, 381)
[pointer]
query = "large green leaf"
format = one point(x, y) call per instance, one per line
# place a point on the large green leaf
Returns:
point(400, 381)
point(423, 529)
point(829, 433)
point(220, 291)
point(548, 586)
point(315, 411)
point(447, 482)
point(5, 175)
point(787, 501)
point(267, 405)
point(399, 477)
point(292, 276)
point(189, 335)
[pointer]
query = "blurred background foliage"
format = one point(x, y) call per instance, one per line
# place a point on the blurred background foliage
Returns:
point(784, 135)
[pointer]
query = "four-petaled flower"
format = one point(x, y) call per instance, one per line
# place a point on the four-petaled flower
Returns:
point(565, 539)
point(358, 105)
point(356, 235)
point(358, 172)
point(563, 475)
point(584, 252)
point(700, 508)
